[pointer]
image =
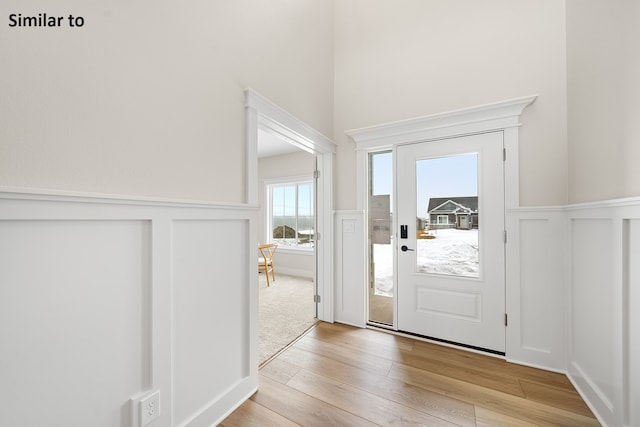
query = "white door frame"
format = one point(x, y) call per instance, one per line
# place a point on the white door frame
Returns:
point(263, 114)
point(501, 116)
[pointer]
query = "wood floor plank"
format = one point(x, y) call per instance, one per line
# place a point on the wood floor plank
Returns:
point(483, 370)
point(340, 375)
point(488, 418)
point(496, 401)
point(438, 405)
point(361, 403)
point(345, 355)
point(419, 357)
point(302, 408)
point(362, 344)
point(329, 367)
point(469, 372)
point(366, 337)
point(489, 363)
point(251, 414)
point(279, 370)
point(570, 401)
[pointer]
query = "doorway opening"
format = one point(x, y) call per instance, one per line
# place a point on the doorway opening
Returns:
point(286, 218)
point(266, 120)
point(436, 253)
point(421, 288)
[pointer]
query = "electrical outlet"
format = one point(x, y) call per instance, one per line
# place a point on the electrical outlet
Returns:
point(145, 408)
point(149, 408)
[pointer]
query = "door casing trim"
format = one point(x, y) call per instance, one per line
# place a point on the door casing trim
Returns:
point(261, 113)
point(501, 116)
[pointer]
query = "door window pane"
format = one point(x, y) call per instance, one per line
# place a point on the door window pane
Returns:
point(448, 215)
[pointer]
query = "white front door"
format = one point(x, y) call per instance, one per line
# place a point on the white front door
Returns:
point(451, 279)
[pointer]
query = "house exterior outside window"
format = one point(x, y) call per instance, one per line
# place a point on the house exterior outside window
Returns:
point(453, 212)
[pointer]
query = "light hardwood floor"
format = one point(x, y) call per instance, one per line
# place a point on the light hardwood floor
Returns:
point(337, 375)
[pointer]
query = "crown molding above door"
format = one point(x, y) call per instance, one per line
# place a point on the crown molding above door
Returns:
point(478, 119)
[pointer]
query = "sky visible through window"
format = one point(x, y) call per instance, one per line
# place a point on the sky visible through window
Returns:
point(284, 200)
point(292, 214)
point(451, 176)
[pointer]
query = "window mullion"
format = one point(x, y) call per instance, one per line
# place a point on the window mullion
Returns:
point(269, 230)
point(296, 215)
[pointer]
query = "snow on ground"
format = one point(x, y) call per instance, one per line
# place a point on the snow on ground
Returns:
point(382, 256)
point(452, 252)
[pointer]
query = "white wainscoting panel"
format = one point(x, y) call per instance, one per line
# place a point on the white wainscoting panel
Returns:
point(102, 299)
point(632, 309)
point(604, 357)
point(210, 312)
point(350, 268)
point(74, 320)
point(535, 288)
point(592, 304)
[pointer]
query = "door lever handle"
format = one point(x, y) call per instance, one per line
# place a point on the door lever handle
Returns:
point(404, 248)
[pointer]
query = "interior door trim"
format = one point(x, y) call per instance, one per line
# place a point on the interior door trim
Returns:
point(263, 114)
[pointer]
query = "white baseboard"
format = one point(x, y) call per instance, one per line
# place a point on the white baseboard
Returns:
point(296, 272)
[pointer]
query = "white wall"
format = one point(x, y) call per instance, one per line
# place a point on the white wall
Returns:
point(403, 59)
point(285, 166)
point(632, 99)
point(603, 63)
point(104, 299)
point(148, 99)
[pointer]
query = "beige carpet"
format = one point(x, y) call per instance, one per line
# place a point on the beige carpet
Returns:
point(286, 310)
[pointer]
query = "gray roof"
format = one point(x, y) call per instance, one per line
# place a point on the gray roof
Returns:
point(470, 202)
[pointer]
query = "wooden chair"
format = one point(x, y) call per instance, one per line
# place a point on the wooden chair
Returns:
point(265, 261)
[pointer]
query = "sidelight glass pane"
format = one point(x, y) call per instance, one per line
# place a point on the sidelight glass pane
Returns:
point(447, 215)
point(380, 238)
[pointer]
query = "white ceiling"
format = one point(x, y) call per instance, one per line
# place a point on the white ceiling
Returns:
point(271, 145)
